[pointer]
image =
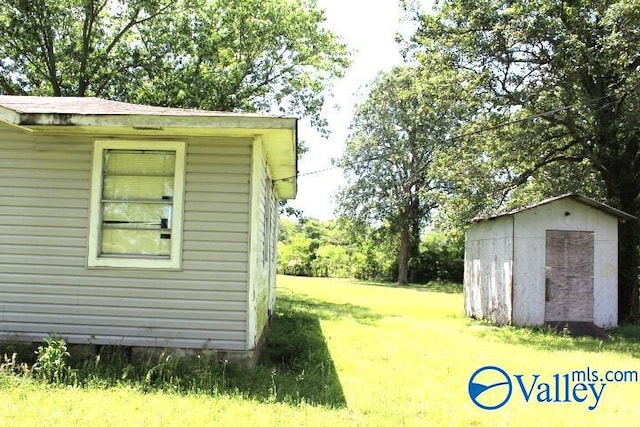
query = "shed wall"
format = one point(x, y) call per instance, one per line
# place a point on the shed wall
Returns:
point(529, 258)
point(488, 270)
point(45, 285)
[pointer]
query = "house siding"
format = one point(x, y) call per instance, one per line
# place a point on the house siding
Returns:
point(46, 287)
point(262, 259)
point(273, 256)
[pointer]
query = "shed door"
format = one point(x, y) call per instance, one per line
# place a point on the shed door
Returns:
point(569, 276)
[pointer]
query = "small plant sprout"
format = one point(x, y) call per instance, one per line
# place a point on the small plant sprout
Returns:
point(51, 364)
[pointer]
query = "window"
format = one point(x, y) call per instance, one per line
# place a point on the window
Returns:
point(136, 204)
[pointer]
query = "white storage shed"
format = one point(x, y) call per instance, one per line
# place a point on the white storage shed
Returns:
point(555, 261)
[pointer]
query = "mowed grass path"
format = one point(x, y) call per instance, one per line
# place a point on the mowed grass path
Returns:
point(402, 356)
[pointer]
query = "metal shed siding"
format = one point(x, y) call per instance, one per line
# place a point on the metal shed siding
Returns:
point(529, 257)
point(488, 270)
point(45, 285)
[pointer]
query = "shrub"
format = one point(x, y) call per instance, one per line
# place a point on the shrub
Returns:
point(441, 259)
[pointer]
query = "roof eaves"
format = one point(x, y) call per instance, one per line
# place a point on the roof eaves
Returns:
point(33, 120)
point(602, 206)
point(623, 216)
point(9, 116)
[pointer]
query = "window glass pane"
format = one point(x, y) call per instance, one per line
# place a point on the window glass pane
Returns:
point(126, 162)
point(135, 242)
point(136, 215)
point(124, 187)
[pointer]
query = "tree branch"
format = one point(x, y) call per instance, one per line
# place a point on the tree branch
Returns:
point(9, 88)
point(47, 46)
point(134, 21)
point(87, 30)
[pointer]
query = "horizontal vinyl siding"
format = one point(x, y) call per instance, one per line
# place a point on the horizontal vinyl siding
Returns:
point(45, 285)
point(260, 271)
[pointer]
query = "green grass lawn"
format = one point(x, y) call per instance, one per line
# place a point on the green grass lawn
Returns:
point(343, 352)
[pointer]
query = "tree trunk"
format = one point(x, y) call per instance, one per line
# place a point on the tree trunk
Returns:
point(403, 255)
point(414, 237)
point(628, 253)
point(624, 195)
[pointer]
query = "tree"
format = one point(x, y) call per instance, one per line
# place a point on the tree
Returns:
point(335, 248)
point(331, 261)
point(442, 257)
point(394, 136)
point(296, 256)
point(226, 55)
point(72, 48)
point(245, 54)
point(565, 75)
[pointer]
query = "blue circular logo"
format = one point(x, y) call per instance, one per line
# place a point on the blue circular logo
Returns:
point(490, 387)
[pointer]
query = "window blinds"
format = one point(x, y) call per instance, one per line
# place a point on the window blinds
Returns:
point(137, 202)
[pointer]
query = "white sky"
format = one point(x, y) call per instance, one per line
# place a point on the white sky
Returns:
point(368, 27)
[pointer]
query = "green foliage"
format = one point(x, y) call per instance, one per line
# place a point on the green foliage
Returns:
point(441, 259)
point(69, 47)
point(10, 365)
point(345, 249)
point(331, 261)
point(375, 258)
point(164, 370)
point(294, 258)
point(332, 249)
point(251, 55)
point(52, 362)
point(556, 88)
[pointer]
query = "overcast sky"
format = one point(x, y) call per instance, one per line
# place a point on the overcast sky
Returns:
point(368, 28)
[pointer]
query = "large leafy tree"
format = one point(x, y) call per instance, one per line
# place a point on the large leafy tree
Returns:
point(569, 70)
point(217, 54)
point(72, 48)
point(244, 54)
point(395, 135)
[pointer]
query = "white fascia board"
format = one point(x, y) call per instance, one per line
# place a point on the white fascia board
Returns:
point(11, 118)
point(142, 121)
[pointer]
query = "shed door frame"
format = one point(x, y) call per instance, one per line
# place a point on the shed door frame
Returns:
point(569, 267)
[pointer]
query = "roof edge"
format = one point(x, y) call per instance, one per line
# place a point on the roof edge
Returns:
point(622, 216)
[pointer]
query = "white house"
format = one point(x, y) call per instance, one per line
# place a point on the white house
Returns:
point(555, 261)
point(140, 226)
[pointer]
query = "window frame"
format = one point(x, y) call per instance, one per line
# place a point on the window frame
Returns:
point(94, 258)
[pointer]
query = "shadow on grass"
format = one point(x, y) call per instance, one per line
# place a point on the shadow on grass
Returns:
point(434, 286)
point(623, 340)
point(296, 357)
point(295, 366)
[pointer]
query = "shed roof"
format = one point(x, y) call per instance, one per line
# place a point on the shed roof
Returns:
point(623, 216)
point(51, 115)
